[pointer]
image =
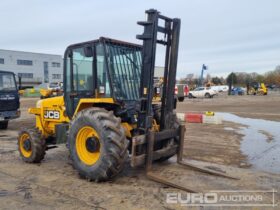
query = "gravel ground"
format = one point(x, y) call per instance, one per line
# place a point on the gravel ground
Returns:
point(54, 184)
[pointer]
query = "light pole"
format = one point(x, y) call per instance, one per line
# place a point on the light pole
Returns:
point(204, 68)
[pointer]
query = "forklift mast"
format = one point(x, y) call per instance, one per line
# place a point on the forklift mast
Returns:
point(171, 31)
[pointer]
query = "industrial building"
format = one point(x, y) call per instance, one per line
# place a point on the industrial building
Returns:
point(38, 68)
point(33, 68)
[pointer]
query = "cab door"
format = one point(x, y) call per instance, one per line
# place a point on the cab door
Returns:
point(85, 75)
point(78, 76)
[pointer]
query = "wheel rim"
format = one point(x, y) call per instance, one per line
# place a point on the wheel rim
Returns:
point(25, 145)
point(88, 145)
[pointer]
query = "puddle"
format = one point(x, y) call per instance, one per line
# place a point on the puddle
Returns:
point(229, 129)
point(261, 141)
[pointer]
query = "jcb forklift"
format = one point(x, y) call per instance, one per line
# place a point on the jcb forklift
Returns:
point(106, 114)
point(256, 88)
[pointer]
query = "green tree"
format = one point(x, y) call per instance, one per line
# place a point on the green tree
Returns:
point(232, 79)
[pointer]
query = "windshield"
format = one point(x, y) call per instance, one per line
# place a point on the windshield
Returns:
point(125, 70)
point(198, 89)
point(101, 69)
point(52, 85)
point(7, 82)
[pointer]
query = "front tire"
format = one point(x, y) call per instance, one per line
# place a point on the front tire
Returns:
point(174, 141)
point(31, 146)
point(97, 144)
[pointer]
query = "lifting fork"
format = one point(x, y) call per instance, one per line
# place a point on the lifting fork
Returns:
point(155, 177)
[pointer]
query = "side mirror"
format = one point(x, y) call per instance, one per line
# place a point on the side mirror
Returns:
point(88, 51)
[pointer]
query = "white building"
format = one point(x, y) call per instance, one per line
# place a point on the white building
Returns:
point(33, 68)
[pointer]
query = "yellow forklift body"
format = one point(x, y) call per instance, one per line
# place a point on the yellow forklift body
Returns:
point(263, 88)
point(51, 111)
point(89, 102)
point(45, 92)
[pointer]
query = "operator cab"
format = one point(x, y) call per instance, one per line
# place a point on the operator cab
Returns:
point(103, 68)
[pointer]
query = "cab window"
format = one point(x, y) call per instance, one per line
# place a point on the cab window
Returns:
point(7, 82)
point(82, 71)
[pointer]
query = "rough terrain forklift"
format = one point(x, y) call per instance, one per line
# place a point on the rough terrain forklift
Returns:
point(256, 88)
point(106, 113)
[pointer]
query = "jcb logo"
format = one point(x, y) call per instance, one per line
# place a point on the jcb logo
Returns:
point(50, 114)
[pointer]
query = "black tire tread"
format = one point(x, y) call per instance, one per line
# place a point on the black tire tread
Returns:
point(109, 127)
point(38, 146)
point(181, 99)
point(157, 114)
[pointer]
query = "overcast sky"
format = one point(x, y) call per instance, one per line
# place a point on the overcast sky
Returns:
point(226, 35)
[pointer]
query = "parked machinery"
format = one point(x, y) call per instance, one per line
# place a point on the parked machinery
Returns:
point(256, 89)
point(181, 91)
point(52, 90)
point(110, 115)
point(9, 98)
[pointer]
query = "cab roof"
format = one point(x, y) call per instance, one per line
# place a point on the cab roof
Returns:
point(107, 40)
point(9, 72)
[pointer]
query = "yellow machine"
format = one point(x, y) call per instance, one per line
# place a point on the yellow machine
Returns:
point(45, 93)
point(107, 105)
point(110, 115)
point(257, 89)
point(53, 90)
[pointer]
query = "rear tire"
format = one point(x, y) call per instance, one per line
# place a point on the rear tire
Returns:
point(181, 99)
point(4, 125)
point(111, 146)
point(190, 95)
point(31, 146)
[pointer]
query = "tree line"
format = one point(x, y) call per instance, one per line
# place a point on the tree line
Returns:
point(238, 78)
